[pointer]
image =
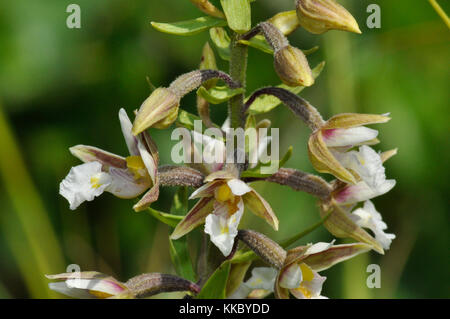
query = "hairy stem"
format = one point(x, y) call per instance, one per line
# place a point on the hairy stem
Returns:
point(238, 69)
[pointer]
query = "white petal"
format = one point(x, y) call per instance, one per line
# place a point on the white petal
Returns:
point(291, 277)
point(263, 278)
point(62, 288)
point(226, 124)
point(222, 230)
point(83, 183)
point(148, 160)
point(101, 285)
point(126, 126)
point(361, 192)
point(241, 292)
point(238, 187)
point(318, 247)
point(312, 288)
point(123, 184)
point(369, 217)
point(348, 136)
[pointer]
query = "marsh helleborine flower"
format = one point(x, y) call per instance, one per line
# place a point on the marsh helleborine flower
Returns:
point(319, 16)
point(123, 177)
point(221, 206)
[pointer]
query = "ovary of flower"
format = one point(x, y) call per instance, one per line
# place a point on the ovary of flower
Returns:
point(369, 217)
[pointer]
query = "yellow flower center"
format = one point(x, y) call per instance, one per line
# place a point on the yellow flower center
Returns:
point(307, 273)
point(304, 291)
point(95, 182)
point(224, 229)
point(136, 166)
point(223, 193)
point(99, 294)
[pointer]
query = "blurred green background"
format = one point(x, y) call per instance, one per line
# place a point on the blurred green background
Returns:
point(60, 87)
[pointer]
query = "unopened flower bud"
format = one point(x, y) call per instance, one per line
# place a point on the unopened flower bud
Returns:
point(160, 109)
point(208, 8)
point(286, 22)
point(264, 247)
point(292, 67)
point(319, 16)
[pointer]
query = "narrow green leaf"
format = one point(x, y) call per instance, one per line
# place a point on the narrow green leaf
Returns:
point(266, 103)
point(168, 219)
point(189, 27)
point(181, 259)
point(222, 42)
point(256, 171)
point(238, 13)
point(215, 286)
point(218, 94)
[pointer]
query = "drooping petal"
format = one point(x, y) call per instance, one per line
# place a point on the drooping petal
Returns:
point(206, 190)
point(124, 185)
point(150, 197)
point(369, 217)
point(238, 187)
point(83, 183)
point(333, 255)
point(126, 126)
point(291, 277)
point(263, 278)
point(339, 137)
point(223, 229)
point(348, 120)
point(341, 225)
point(310, 288)
point(195, 217)
point(361, 192)
point(88, 154)
point(260, 208)
point(323, 160)
point(89, 284)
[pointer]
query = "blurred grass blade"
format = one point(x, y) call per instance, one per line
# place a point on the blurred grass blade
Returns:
point(266, 103)
point(215, 286)
point(168, 219)
point(40, 252)
point(218, 94)
point(189, 27)
point(222, 42)
point(440, 12)
point(181, 259)
point(238, 13)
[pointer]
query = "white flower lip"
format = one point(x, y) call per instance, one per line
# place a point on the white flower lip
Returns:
point(340, 137)
point(369, 217)
point(83, 183)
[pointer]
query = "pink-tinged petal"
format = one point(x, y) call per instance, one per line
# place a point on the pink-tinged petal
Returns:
point(206, 190)
point(93, 154)
point(194, 218)
point(291, 276)
point(348, 120)
point(126, 126)
point(238, 187)
point(346, 137)
point(334, 255)
point(361, 192)
point(280, 292)
point(259, 207)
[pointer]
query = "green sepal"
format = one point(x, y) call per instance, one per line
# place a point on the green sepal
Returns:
point(218, 94)
point(189, 27)
point(238, 14)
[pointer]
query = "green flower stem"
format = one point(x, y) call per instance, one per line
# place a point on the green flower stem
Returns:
point(238, 69)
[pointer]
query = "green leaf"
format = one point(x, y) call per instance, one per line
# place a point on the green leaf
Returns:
point(215, 286)
point(218, 94)
point(168, 219)
point(189, 27)
point(222, 42)
point(179, 253)
point(238, 13)
point(256, 171)
point(266, 103)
